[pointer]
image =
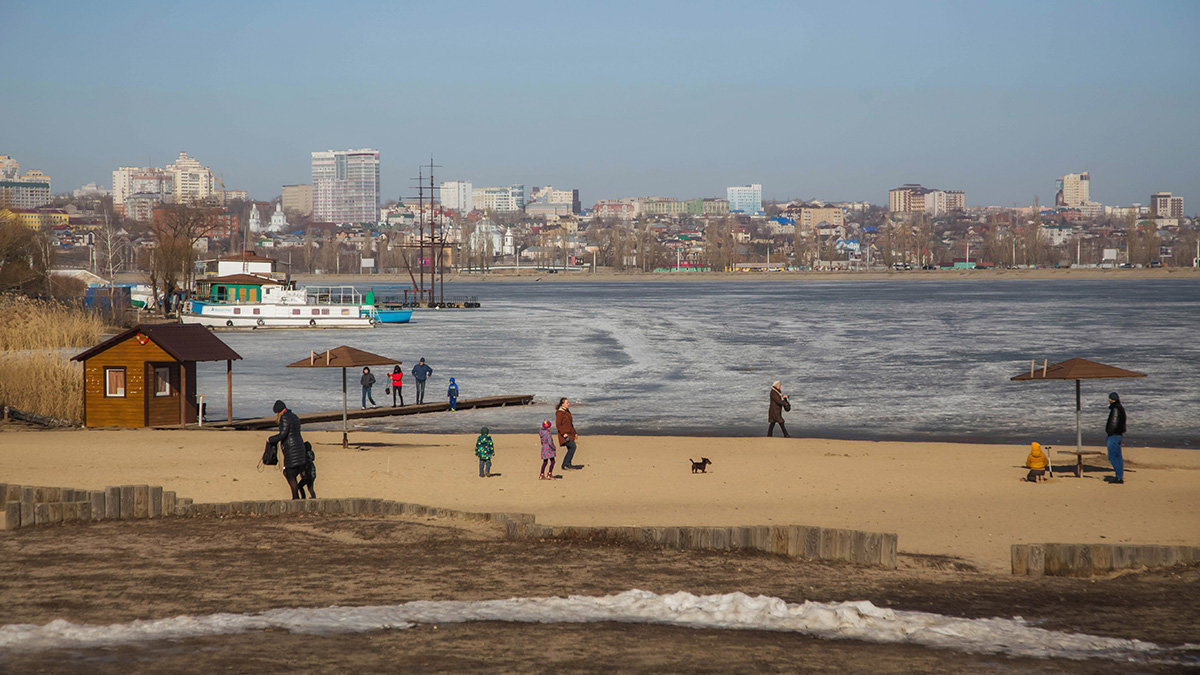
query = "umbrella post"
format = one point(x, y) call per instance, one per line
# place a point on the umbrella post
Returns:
point(344, 408)
point(1079, 434)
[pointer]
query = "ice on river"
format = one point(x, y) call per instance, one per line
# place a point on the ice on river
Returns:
point(868, 360)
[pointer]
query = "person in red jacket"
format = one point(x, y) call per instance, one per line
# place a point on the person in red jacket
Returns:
point(566, 432)
point(397, 376)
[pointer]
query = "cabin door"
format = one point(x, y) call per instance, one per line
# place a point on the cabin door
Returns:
point(162, 394)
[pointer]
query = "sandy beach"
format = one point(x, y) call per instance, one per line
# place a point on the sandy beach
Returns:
point(960, 500)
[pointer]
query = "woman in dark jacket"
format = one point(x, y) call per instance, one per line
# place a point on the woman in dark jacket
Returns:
point(295, 458)
point(779, 403)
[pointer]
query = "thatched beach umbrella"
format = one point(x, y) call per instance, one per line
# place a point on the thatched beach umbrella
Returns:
point(343, 357)
point(1075, 369)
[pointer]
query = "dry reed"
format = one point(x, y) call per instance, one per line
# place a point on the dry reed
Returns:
point(39, 324)
point(44, 383)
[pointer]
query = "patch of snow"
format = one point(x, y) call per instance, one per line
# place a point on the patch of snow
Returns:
point(837, 620)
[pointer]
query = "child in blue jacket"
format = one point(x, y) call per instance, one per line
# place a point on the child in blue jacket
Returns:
point(452, 392)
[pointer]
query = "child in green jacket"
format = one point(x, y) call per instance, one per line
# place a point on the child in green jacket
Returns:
point(484, 449)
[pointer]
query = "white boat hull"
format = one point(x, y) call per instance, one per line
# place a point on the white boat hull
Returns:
point(264, 315)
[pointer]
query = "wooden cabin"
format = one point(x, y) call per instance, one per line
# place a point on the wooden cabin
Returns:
point(146, 376)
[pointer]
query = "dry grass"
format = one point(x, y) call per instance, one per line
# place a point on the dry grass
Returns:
point(38, 324)
point(44, 383)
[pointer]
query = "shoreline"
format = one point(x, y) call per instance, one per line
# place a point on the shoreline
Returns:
point(964, 501)
point(1047, 274)
point(984, 440)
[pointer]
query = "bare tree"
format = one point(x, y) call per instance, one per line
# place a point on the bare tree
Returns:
point(25, 258)
point(720, 245)
point(176, 233)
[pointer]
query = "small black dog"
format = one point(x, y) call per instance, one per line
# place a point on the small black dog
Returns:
point(701, 466)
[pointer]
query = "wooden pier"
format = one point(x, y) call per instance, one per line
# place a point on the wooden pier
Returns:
point(382, 411)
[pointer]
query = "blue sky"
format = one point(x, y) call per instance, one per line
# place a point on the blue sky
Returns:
point(815, 100)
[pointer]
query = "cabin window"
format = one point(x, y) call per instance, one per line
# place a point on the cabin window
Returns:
point(345, 312)
point(257, 310)
point(316, 312)
point(295, 312)
point(324, 312)
point(237, 310)
point(219, 293)
point(114, 382)
point(162, 381)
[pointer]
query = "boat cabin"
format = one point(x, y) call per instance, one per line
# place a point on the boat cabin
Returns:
point(146, 376)
point(246, 262)
point(240, 288)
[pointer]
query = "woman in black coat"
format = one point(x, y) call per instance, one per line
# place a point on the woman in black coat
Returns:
point(295, 458)
point(779, 403)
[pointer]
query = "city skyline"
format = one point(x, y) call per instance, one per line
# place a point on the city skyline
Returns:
point(836, 103)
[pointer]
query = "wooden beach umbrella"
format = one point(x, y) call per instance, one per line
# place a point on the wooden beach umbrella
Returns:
point(343, 357)
point(1075, 369)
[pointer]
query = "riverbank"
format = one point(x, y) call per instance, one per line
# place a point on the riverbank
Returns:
point(962, 501)
point(530, 274)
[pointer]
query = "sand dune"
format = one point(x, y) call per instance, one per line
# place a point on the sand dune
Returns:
point(952, 499)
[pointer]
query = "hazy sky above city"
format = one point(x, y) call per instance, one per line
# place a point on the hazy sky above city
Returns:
point(835, 101)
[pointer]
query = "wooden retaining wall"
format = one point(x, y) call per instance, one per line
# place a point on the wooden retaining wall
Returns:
point(24, 506)
point(27, 506)
point(795, 541)
point(1086, 560)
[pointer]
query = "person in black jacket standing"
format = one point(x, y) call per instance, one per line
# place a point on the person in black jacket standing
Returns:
point(295, 458)
point(367, 381)
point(1114, 428)
point(421, 372)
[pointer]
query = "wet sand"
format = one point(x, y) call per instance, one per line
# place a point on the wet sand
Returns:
point(958, 500)
point(115, 572)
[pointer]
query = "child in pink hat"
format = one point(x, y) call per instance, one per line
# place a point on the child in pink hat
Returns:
point(547, 450)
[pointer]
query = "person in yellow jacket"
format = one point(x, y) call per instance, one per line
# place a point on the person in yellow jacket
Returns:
point(1036, 462)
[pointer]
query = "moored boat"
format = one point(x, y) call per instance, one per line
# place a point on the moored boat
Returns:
point(256, 301)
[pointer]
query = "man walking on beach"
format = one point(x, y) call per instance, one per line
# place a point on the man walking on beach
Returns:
point(566, 432)
point(1114, 428)
point(421, 372)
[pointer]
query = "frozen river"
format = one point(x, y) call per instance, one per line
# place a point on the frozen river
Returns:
point(864, 360)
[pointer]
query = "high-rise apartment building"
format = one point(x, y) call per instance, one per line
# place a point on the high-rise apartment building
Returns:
point(136, 191)
point(194, 182)
point(456, 195)
point(9, 168)
point(556, 198)
point(745, 198)
point(908, 198)
point(298, 199)
point(942, 202)
point(18, 191)
point(345, 186)
point(912, 198)
point(1163, 205)
point(500, 199)
point(1074, 190)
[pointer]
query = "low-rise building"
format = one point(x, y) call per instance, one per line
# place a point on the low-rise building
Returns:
point(38, 219)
